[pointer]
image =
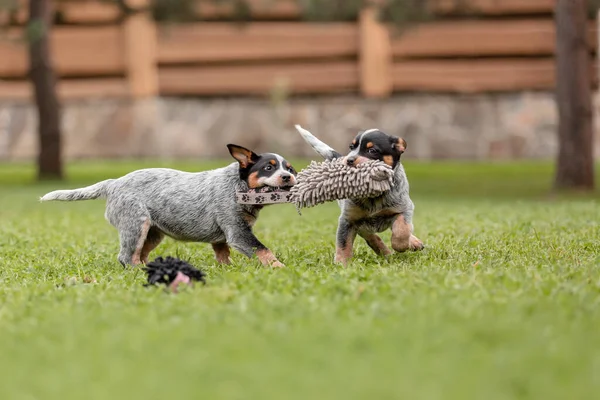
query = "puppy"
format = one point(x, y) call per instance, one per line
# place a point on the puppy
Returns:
point(369, 216)
point(147, 204)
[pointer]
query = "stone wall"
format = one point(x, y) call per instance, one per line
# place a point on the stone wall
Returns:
point(475, 127)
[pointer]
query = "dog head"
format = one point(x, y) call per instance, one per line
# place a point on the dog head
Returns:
point(259, 170)
point(374, 144)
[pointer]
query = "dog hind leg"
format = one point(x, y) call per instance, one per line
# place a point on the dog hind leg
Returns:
point(132, 237)
point(153, 239)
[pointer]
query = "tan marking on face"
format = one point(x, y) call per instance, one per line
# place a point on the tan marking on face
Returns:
point(401, 145)
point(288, 165)
point(369, 145)
point(272, 162)
point(389, 160)
point(253, 180)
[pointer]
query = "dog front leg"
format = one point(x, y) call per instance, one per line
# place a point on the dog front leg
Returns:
point(346, 233)
point(402, 237)
point(414, 243)
point(244, 241)
point(221, 252)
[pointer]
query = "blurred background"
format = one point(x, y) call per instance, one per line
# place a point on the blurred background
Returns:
point(460, 80)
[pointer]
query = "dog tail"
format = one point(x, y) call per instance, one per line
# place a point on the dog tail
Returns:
point(323, 149)
point(87, 193)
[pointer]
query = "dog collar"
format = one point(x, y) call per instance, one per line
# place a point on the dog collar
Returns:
point(264, 195)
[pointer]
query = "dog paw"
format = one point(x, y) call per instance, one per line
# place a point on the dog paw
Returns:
point(277, 264)
point(222, 260)
point(386, 252)
point(341, 261)
point(415, 243)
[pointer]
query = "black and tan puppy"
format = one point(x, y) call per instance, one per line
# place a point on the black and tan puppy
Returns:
point(369, 216)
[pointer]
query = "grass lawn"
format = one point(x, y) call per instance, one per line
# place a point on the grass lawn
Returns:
point(504, 303)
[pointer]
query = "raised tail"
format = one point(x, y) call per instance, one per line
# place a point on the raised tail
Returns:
point(87, 193)
point(323, 149)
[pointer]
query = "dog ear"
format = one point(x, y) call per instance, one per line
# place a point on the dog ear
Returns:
point(399, 144)
point(244, 156)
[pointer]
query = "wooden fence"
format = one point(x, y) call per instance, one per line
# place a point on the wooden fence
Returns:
point(98, 53)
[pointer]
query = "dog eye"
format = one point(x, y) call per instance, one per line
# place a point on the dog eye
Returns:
point(372, 150)
point(268, 167)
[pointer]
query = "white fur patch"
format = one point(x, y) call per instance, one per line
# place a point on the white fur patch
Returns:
point(319, 146)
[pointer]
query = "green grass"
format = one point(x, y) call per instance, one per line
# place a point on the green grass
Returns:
point(503, 304)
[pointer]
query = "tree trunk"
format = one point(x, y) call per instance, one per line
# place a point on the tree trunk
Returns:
point(575, 167)
point(44, 85)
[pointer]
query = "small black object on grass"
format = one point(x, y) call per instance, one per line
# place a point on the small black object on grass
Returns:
point(172, 271)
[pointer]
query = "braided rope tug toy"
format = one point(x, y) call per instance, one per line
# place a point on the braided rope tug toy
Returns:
point(327, 181)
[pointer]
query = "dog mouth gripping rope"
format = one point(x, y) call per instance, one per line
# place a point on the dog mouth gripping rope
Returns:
point(326, 181)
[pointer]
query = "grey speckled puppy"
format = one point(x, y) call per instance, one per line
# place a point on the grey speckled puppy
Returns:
point(147, 204)
point(368, 216)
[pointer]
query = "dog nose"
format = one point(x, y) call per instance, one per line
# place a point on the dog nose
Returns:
point(350, 161)
point(286, 178)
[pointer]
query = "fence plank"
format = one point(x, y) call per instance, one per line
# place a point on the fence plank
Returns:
point(88, 12)
point(81, 12)
point(471, 76)
point(77, 52)
point(140, 37)
point(522, 37)
point(259, 9)
point(291, 8)
point(495, 7)
point(375, 56)
point(330, 77)
point(68, 89)
point(212, 42)
point(287, 9)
